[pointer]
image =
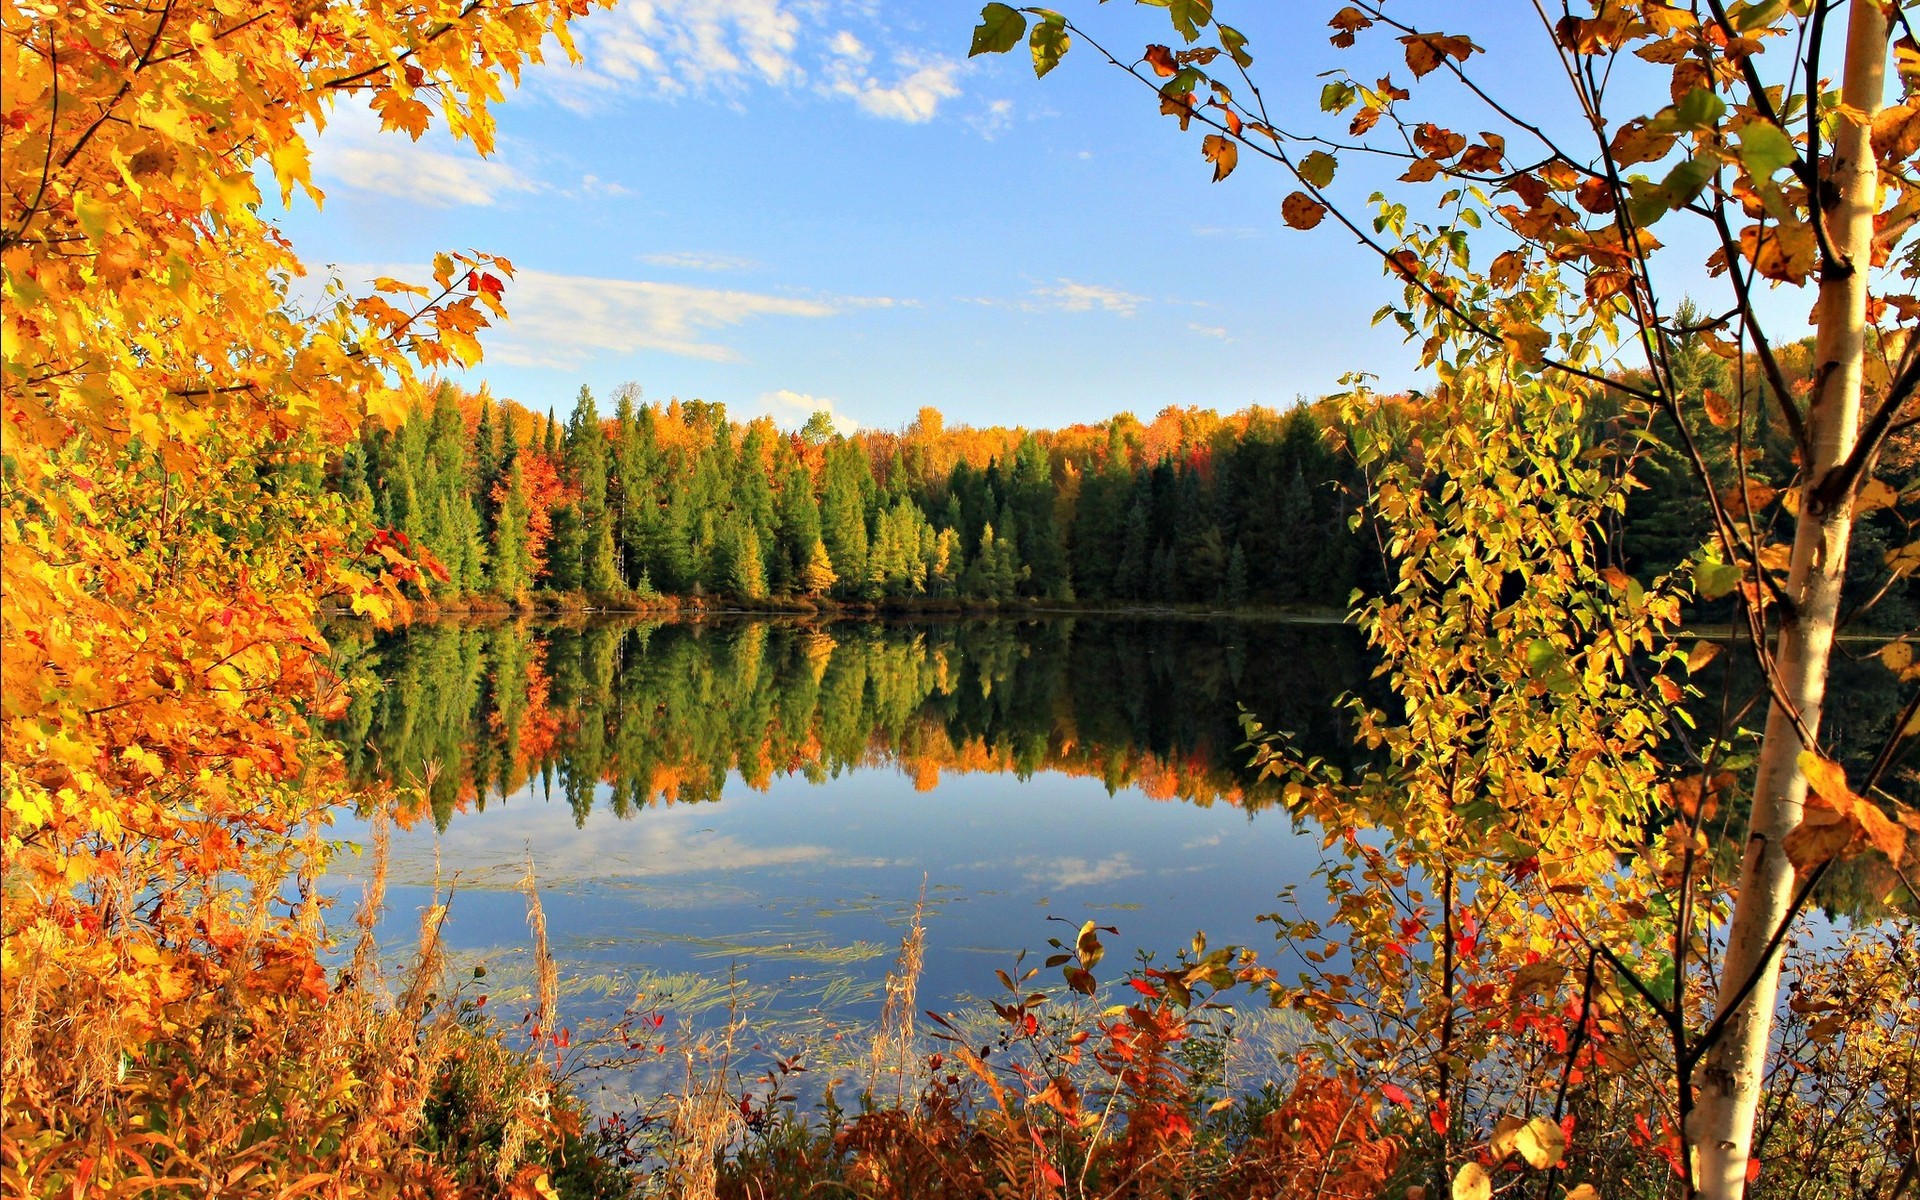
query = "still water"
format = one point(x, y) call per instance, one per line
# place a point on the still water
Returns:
point(765, 801)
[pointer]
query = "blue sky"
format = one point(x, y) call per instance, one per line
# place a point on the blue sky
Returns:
point(790, 204)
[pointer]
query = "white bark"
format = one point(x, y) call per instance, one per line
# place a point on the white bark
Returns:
point(1727, 1087)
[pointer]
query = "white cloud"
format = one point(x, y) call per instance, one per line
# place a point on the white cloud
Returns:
point(1212, 331)
point(689, 260)
point(790, 409)
point(1073, 871)
point(1070, 296)
point(670, 843)
point(994, 120)
point(668, 49)
point(846, 45)
point(564, 321)
point(424, 176)
point(593, 185)
point(354, 152)
point(913, 97)
point(671, 46)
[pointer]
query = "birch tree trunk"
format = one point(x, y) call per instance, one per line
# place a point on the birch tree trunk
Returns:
point(1729, 1079)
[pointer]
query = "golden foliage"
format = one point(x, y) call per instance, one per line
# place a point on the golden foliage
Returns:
point(166, 548)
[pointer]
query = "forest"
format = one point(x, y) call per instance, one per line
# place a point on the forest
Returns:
point(678, 500)
point(1260, 508)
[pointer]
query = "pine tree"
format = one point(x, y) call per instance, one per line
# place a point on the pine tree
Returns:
point(798, 522)
point(843, 516)
point(1235, 590)
point(486, 463)
point(1130, 572)
point(586, 453)
point(512, 569)
point(1031, 497)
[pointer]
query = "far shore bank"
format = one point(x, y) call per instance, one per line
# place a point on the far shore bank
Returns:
point(568, 606)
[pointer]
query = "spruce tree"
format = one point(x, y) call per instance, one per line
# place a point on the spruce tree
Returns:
point(1235, 591)
point(486, 463)
point(586, 454)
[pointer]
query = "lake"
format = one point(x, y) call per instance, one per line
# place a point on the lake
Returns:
point(764, 801)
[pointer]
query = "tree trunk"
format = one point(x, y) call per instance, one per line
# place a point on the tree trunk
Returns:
point(1728, 1083)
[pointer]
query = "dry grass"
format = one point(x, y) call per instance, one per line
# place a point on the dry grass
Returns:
point(893, 1043)
point(704, 1116)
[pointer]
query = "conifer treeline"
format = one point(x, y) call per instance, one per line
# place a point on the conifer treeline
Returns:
point(678, 500)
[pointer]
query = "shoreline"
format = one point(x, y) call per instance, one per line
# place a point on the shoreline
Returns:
point(700, 609)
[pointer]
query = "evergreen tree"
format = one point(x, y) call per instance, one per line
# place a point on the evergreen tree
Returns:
point(586, 454)
point(1235, 589)
point(486, 464)
point(1130, 572)
point(843, 516)
point(511, 568)
point(1031, 498)
point(798, 522)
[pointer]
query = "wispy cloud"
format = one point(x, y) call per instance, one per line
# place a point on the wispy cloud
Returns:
point(353, 152)
point(701, 46)
point(689, 260)
point(1073, 871)
point(1067, 295)
point(1070, 296)
point(913, 95)
point(725, 48)
point(790, 410)
point(671, 844)
point(563, 321)
point(1212, 331)
point(993, 120)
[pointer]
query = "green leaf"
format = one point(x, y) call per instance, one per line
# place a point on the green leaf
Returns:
point(1336, 96)
point(1235, 44)
point(1700, 109)
point(1647, 201)
point(1317, 168)
point(1048, 43)
point(1747, 17)
point(1686, 179)
point(1000, 27)
point(1714, 579)
point(1545, 662)
point(1189, 16)
point(91, 215)
point(1765, 148)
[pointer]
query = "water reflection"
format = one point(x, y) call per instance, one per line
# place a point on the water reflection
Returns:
point(663, 713)
point(768, 799)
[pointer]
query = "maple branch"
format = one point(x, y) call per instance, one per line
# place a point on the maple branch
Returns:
point(126, 85)
point(216, 36)
point(46, 163)
point(434, 35)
